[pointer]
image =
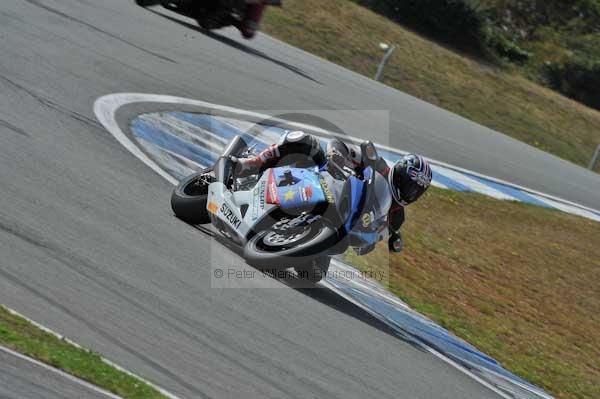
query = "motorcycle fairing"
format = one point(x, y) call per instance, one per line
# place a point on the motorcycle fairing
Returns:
point(226, 207)
point(293, 188)
point(368, 224)
point(357, 187)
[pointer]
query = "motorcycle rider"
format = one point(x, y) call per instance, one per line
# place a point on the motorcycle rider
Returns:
point(408, 179)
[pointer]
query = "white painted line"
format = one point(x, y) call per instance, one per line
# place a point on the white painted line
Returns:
point(437, 184)
point(61, 373)
point(106, 107)
point(568, 208)
point(475, 185)
point(110, 363)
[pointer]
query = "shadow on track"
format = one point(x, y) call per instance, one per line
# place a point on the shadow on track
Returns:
point(323, 295)
point(235, 44)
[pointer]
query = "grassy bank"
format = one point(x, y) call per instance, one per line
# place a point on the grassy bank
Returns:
point(21, 336)
point(519, 282)
point(497, 98)
point(554, 42)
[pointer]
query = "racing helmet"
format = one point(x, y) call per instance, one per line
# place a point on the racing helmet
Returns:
point(409, 178)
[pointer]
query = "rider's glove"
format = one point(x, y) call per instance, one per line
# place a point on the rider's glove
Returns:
point(395, 243)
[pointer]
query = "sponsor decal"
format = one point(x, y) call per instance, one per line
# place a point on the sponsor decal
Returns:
point(230, 216)
point(258, 202)
point(212, 208)
point(326, 191)
point(367, 219)
point(306, 193)
point(272, 197)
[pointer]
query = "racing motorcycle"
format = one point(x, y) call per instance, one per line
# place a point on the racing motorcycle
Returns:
point(212, 14)
point(287, 216)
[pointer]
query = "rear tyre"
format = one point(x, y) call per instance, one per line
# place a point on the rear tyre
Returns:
point(188, 200)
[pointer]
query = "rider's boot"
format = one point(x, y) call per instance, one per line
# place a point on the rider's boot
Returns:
point(395, 243)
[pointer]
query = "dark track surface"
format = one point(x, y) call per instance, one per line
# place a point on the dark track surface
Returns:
point(20, 379)
point(89, 246)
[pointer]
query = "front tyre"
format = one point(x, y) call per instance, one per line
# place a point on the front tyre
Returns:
point(280, 248)
point(188, 199)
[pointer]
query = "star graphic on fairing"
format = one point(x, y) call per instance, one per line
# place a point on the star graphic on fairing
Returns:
point(288, 196)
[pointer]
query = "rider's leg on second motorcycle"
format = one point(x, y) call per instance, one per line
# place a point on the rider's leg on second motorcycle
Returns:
point(251, 20)
point(254, 11)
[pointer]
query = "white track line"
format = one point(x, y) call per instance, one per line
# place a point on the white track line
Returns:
point(106, 108)
point(110, 363)
point(61, 373)
point(474, 185)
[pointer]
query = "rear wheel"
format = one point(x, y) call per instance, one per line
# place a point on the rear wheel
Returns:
point(188, 200)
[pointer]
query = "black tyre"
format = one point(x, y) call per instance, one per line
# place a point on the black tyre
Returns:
point(188, 200)
point(314, 270)
point(276, 249)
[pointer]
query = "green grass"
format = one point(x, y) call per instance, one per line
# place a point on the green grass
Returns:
point(500, 98)
point(519, 282)
point(20, 335)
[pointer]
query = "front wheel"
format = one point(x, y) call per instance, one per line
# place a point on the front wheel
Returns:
point(188, 200)
point(284, 246)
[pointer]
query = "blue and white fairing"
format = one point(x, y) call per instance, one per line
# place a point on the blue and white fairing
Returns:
point(370, 199)
point(363, 204)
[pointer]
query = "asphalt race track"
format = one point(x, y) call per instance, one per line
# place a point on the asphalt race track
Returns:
point(88, 244)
